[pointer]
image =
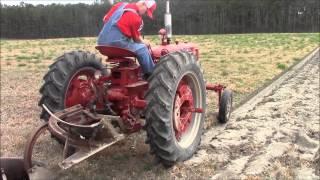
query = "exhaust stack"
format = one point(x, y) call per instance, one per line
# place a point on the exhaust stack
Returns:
point(168, 21)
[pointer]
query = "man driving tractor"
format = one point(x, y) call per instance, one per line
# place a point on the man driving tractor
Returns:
point(122, 28)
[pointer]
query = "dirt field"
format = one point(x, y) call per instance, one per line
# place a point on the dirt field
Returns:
point(242, 62)
point(275, 135)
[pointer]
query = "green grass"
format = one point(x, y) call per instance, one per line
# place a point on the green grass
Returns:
point(296, 59)
point(22, 65)
point(281, 66)
point(227, 59)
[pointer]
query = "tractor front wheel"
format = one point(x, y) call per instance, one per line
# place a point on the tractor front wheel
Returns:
point(176, 108)
point(225, 106)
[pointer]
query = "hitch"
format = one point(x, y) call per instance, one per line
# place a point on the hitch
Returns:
point(218, 88)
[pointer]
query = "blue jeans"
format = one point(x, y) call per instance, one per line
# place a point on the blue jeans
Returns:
point(113, 36)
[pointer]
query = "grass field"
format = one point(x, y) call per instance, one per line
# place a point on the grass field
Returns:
point(241, 62)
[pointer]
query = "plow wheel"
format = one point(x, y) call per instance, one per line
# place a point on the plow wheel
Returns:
point(176, 108)
point(225, 106)
point(69, 82)
point(27, 156)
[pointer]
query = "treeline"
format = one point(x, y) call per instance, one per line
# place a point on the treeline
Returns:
point(189, 17)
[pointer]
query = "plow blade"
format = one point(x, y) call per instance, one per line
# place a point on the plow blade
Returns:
point(83, 153)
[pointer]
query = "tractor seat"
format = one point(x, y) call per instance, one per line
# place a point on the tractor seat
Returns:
point(115, 52)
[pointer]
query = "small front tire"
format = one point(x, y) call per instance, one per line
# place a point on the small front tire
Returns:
point(225, 106)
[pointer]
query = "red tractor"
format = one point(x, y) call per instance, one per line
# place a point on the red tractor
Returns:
point(170, 105)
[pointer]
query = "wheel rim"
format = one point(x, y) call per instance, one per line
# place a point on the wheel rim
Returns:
point(80, 88)
point(186, 123)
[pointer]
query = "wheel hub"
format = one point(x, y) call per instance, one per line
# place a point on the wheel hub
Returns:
point(183, 105)
point(80, 89)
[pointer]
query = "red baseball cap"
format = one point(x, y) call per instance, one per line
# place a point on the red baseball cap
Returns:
point(151, 5)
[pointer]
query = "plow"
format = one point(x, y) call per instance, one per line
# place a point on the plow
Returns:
point(89, 105)
point(82, 132)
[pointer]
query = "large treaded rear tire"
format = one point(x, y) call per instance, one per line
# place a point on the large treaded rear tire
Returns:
point(59, 75)
point(163, 85)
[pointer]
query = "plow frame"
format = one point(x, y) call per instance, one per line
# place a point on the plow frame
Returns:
point(76, 147)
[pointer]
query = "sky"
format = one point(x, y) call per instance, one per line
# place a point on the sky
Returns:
point(35, 2)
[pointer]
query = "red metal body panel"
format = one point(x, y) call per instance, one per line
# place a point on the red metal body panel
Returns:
point(122, 76)
point(161, 50)
point(126, 92)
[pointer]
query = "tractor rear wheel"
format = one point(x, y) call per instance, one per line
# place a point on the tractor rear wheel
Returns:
point(176, 108)
point(68, 81)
